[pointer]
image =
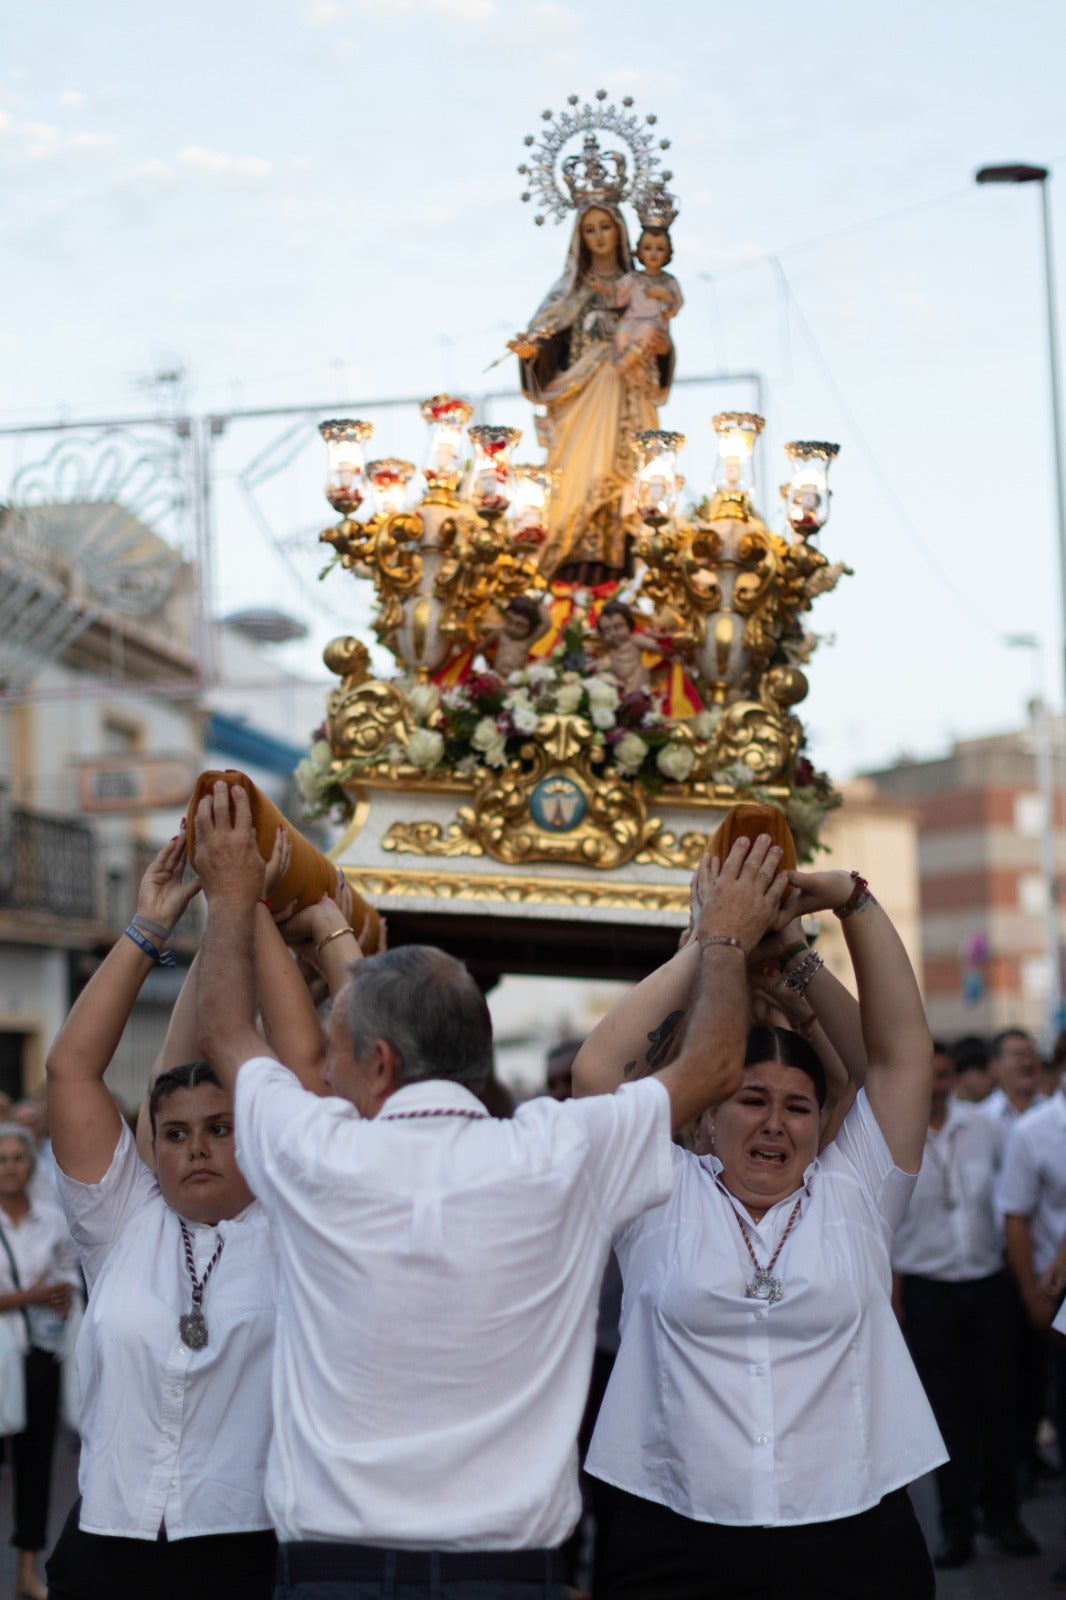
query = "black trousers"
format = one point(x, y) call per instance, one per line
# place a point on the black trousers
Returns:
point(961, 1337)
point(655, 1554)
point(221, 1566)
point(31, 1451)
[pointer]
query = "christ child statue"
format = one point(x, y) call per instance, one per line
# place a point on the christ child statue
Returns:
point(649, 298)
point(524, 621)
point(624, 648)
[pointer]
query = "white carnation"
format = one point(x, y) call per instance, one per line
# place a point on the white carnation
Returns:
point(524, 718)
point(496, 752)
point(675, 761)
point(425, 748)
point(540, 673)
point(602, 717)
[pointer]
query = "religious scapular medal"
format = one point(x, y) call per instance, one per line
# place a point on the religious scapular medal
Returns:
point(766, 1285)
point(192, 1325)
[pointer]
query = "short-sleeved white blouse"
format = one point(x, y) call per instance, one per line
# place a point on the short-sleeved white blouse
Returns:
point(730, 1410)
point(170, 1433)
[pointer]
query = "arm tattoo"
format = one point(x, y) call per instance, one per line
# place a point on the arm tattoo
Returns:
point(661, 1040)
point(629, 1069)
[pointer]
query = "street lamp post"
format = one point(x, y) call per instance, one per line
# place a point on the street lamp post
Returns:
point(1020, 172)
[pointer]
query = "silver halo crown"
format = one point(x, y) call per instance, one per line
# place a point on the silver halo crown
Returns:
point(570, 183)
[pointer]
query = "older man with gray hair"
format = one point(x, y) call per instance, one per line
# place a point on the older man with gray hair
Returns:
point(439, 1270)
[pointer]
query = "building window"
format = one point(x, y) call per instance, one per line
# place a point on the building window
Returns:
point(1032, 893)
point(1029, 814)
point(1035, 974)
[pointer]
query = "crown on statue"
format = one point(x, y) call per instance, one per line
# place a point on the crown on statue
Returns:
point(657, 208)
point(595, 176)
point(560, 183)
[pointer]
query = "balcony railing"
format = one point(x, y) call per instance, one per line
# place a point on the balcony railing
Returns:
point(46, 864)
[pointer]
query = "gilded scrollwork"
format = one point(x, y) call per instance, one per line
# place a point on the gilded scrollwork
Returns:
point(362, 721)
point(430, 839)
point(512, 889)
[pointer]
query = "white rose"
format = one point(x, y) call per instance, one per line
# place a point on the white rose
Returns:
point(485, 734)
point(540, 673)
point(423, 700)
point(705, 722)
point(518, 679)
point(524, 718)
point(496, 753)
point(425, 748)
point(629, 753)
point(322, 754)
point(308, 780)
point(602, 717)
point(568, 698)
point(675, 761)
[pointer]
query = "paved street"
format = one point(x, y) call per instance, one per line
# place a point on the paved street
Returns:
point(989, 1577)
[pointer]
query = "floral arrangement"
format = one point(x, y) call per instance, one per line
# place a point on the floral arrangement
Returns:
point(485, 721)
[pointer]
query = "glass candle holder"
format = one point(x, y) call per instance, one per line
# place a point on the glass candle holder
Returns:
point(737, 432)
point(657, 485)
point(807, 496)
point(491, 485)
point(389, 479)
point(529, 513)
point(447, 417)
point(346, 483)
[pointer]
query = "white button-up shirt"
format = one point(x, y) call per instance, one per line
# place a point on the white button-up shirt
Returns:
point(950, 1231)
point(736, 1411)
point(42, 1248)
point(437, 1308)
point(1034, 1177)
point(170, 1433)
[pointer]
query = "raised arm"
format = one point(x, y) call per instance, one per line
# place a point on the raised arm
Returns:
point(232, 872)
point(738, 899)
point(899, 1047)
point(638, 1034)
point(83, 1120)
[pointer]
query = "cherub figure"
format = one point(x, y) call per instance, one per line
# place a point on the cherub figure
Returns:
point(650, 299)
point(508, 644)
point(625, 645)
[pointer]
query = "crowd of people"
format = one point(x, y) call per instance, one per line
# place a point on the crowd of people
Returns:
point(354, 1321)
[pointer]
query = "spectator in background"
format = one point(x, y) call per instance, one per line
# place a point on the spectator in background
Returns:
point(954, 1301)
point(1015, 1068)
point(559, 1067)
point(32, 1114)
point(973, 1080)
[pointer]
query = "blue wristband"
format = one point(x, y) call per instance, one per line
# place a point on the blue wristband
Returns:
point(162, 958)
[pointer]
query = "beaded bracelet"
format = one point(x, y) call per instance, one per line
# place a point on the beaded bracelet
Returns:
point(801, 975)
point(859, 897)
point(726, 939)
point(162, 958)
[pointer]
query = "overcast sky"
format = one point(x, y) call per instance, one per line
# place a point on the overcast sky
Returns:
point(315, 201)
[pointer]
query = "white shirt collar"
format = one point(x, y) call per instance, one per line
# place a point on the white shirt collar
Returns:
point(432, 1094)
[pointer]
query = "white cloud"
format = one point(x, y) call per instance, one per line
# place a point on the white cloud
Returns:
point(220, 164)
point(73, 98)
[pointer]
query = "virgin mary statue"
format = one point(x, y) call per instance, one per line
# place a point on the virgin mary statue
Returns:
point(594, 407)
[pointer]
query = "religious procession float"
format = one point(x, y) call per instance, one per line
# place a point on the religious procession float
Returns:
point(587, 673)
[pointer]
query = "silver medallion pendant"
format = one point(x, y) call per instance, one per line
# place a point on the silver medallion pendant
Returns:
point(765, 1285)
point(193, 1329)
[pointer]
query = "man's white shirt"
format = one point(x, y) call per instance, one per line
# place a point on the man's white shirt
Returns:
point(437, 1305)
point(1034, 1177)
